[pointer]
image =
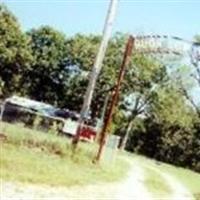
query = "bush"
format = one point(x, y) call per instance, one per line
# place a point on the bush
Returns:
point(171, 144)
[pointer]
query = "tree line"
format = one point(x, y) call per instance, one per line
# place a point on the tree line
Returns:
point(156, 114)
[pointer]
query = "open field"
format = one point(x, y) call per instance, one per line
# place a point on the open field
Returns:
point(35, 157)
point(38, 158)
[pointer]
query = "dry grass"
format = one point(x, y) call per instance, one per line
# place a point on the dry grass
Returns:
point(32, 156)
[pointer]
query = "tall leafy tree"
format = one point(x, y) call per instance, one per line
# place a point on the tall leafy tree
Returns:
point(45, 80)
point(188, 77)
point(196, 60)
point(141, 81)
point(168, 132)
point(15, 53)
point(82, 51)
point(176, 117)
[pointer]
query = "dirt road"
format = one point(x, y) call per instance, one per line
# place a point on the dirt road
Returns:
point(131, 188)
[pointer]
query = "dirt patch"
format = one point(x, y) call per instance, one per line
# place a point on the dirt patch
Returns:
point(3, 137)
point(197, 196)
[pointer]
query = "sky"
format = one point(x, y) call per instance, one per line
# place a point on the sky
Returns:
point(179, 18)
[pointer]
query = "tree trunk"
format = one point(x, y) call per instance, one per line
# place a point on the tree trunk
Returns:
point(126, 136)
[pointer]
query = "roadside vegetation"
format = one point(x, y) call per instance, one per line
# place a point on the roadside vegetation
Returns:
point(158, 186)
point(188, 178)
point(31, 156)
point(37, 157)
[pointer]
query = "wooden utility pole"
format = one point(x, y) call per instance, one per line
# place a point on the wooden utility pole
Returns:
point(96, 69)
point(126, 60)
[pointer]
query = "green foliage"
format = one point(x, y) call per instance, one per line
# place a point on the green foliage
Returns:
point(141, 82)
point(169, 134)
point(45, 80)
point(15, 53)
point(82, 51)
point(142, 79)
point(170, 107)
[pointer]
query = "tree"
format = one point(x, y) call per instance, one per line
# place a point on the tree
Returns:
point(176, 118)
point(168, 133)
point(15, 53)
point(184, 80)
point(167, 138)
point(46, 79)
point(82, 51)
point(188, 77)
point(141, 81)
point(196, 59)
point(169, 107)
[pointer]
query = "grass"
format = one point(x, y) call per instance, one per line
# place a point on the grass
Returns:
point(35, 157)
point(189, 178)
point(156, 184)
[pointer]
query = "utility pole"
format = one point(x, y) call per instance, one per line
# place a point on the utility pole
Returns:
point(126, 60)
point(96, 69)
